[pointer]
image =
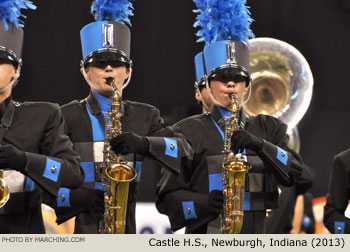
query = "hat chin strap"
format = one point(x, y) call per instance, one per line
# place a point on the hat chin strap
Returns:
point(13, 82)
point(200, 95)
point(128, 81)
point(106, 93)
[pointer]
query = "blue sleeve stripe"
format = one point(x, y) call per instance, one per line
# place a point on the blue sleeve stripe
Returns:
point(171, 148)
point(282, 155)
point(246, 206)
point(89, 170)
point(215, 182)
point(138, 166)
point(63, 197)
point(99, 185)
point(2, 210)
point(52, 169)
point(339, 227)
point(189, 210)
point(29, 185)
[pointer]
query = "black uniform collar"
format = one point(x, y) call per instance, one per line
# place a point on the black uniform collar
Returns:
point(7, 109)
point(215, 113)
point(4, 105)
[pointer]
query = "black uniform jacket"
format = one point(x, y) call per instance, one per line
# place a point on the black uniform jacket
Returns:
point(280, 220)
point(143, 119)
point(38, 129)
point(338, 195)
point(186, 203)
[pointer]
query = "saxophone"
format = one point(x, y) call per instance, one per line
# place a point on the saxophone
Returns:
point(234, 169)
point(4, 190)
point(114, 172)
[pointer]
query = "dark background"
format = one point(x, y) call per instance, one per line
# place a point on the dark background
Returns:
point(163, 47)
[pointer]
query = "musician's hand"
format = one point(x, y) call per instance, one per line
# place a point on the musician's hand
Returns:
point(91, 200)
point(12, 158)
point(97, 204)
point(215, 202)
point(243, 139)
point(129, 142)
point(82, 200)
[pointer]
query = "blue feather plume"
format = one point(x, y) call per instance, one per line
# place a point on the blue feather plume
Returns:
point(10, 11)
point(223, 20)
point(115, 10)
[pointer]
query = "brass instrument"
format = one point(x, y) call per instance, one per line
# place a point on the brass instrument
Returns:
point(114, 171)
point(282, 83)
point(234, 169)
point(4, 190)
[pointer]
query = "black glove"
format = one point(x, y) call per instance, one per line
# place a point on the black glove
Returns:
point(243, 139)
point(12, 158)
point(91, 200)
point(215, 202)
point(82, 200)
point(97, 204)
point(129, 142)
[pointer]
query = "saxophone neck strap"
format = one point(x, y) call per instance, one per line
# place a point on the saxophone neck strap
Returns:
point(6, 119)
point(95, 108)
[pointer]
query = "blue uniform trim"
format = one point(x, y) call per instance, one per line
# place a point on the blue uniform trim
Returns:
point(282, 155)
point(105, 103)
point(52, 169)
point(29, 185)
point(339, 224)
point(138, 166)
point(306, 221)
point(63, 197)
point(215, 182)
point(224, 113)
point(189, 210)
point(2, 210)
point(99, 185)
point(98, 132)
point(171, 148)
point(89, 170)
point(246, 204)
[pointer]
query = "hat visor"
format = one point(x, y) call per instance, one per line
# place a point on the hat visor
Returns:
point(7, 56)
point(234, 69)
point(107, 56)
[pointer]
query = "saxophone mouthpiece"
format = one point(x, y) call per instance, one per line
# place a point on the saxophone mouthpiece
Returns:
point(233, 96)
point(109, 80)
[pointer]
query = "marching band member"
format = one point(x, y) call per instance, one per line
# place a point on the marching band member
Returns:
point(106, 54)
point(338, 195)
point(197, 201)
point(35, 154)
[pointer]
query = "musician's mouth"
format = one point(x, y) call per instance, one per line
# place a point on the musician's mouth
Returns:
point(109, 80)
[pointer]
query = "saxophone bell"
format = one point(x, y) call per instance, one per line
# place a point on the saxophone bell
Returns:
point(4, 190)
